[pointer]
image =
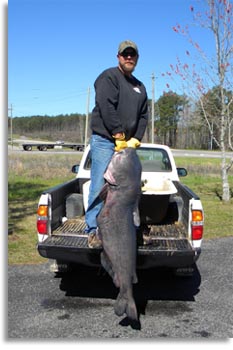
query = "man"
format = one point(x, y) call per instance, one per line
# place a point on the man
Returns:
point(119, 120)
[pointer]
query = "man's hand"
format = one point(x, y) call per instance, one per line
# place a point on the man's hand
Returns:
point(134, 143)
point(119, 136)
point(120, 141)
point(120, 145)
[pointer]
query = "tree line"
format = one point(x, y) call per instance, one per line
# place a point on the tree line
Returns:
point(70, 127)
point(178, 122)
point(182, 122)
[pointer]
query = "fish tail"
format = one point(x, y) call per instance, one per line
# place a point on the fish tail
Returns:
point(126, 305)
point(131, 310)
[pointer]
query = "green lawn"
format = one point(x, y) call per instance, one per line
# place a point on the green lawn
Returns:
point(205, 180)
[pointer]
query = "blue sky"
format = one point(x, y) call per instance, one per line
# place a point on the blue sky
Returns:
point(57, 48)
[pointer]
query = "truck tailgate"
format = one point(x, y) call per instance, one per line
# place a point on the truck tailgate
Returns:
point(167, 246)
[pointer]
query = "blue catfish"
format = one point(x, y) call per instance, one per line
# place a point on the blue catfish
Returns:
point(116, 223)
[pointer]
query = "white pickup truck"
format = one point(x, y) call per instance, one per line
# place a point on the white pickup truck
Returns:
point(171, 216)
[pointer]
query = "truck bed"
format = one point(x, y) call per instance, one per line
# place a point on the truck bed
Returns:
point(167, 244)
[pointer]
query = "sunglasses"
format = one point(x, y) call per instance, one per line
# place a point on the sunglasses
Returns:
point(129, 53)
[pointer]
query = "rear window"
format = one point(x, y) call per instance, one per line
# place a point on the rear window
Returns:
point(152, 160)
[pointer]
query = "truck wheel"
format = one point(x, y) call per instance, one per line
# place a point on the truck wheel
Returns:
point(43, 148)
point(27, 148)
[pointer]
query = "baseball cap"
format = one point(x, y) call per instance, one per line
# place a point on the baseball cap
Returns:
point(125, 44)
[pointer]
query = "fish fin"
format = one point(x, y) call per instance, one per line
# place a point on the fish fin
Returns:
point(106, 263)
point(131, 310)
point(125, 305)
point(135, 278)
point(136, 216)
point(116, 280)
point(120, 305)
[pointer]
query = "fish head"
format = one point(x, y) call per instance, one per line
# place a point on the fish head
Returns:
point(123, 168)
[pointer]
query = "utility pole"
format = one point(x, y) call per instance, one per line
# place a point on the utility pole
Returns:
point(152, 108)
point(11, 117)
point(87, 116)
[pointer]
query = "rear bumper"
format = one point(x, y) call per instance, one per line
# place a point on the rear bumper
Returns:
point(163, 252)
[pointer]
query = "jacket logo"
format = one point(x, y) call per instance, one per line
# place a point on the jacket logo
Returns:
point(137, 89)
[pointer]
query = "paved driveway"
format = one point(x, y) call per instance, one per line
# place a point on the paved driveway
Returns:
point(80, 304)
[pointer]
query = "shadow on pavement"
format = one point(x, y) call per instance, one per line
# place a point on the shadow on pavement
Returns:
point(156, 284)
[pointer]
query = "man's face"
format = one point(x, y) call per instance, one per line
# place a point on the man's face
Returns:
point(128, 60)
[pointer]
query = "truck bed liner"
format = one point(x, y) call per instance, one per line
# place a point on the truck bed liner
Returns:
point(71, 227)
point(76, 227)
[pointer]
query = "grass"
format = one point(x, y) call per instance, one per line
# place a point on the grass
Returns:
point(205, 180)
point(29, 174)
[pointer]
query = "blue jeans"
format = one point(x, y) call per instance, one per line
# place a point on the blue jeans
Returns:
point(102, 151)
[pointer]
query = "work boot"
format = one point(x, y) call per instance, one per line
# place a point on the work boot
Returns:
point(94, 241)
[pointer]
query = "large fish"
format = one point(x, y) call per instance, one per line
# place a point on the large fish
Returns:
point(116, 223)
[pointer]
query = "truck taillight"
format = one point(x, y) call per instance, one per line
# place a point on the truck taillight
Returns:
point(197, 215)
point(42, 210)
point(197, 232)
point(42, 219)
point(42, 226)
point(197, 224)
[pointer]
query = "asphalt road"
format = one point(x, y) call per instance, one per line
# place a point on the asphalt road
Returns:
point(79, 305)
point(176, 152)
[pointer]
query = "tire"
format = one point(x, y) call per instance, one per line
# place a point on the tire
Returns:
point(27, 148)
point(43, 148)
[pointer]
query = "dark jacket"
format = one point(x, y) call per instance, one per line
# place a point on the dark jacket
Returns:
point(120, 105)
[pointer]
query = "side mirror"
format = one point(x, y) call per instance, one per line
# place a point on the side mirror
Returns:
point(75, 168)
point(181, 172)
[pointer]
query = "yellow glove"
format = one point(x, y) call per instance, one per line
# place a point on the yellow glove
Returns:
point(120, 144)
point(134, 143)
point(119, 141)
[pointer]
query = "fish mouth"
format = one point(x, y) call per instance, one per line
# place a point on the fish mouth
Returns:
point(109, 177)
